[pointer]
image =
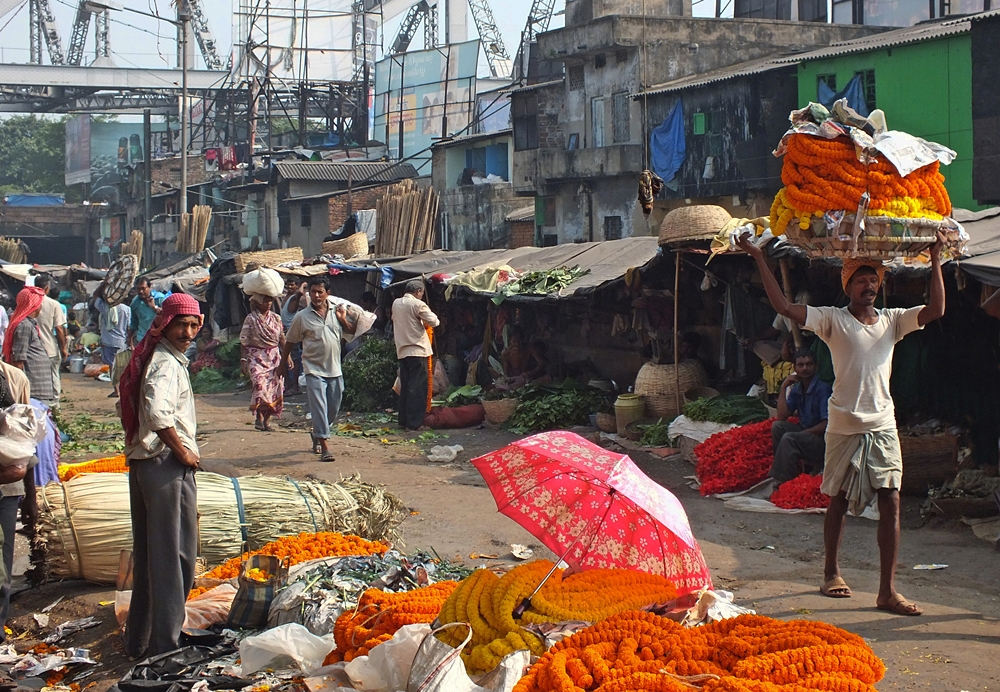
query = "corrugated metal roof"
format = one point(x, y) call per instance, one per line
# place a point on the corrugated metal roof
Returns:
point(743, 69)
point(359, 172)
point(460, 139)
point(925, 31)
point(523, 214)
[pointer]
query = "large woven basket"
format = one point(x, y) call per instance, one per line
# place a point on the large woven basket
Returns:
point(884, 237)
point(499, 411)
point(352, 246)
point(693, 222)
point(267, 258)
point(658, 384)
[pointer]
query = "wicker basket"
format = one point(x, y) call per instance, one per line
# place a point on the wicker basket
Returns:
point(353, 246)
point(267, 258)
point(884, 237)
point(694, 222)
point(658, 384)
point(500, 410)
point(606, 423)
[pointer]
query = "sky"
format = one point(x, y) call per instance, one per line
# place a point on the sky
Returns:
point(138, 41)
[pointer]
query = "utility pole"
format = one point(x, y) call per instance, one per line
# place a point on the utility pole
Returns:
point(147, 168)
point(182, 18)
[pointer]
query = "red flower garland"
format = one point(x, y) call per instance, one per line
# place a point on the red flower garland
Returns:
point(801, 493)
point(736, 459)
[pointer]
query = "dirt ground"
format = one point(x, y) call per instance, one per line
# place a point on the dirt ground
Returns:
point(773, 563)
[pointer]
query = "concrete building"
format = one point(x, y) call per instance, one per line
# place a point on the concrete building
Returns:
point(472, 175)
point(55, 234)
point(579, 142)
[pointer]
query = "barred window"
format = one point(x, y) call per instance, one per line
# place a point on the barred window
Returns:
point(576, 78)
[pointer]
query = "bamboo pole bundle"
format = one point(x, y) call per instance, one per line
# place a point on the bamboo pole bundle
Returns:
point(406, 219)
point(202, 219)
point(134, 245)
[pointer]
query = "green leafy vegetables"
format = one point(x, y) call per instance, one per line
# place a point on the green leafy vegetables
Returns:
point(551, 407)
point(733, 409)
point(369, 375)
point(540, 283)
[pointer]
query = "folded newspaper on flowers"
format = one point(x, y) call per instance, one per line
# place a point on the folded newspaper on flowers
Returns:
point(21, 429)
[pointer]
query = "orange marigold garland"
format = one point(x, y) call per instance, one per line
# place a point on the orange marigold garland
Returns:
point(302, 548)
point(380, 614)
point(751, 653)
point(114, 464)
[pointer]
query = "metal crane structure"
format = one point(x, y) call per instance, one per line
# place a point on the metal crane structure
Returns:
point(496, 54)
point(203, 34)
point(408, 28)
point(43, 28)
point(539, 18)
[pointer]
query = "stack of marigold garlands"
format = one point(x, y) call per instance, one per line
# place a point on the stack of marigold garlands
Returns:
point(380, 614)
point(105, 465)
point(801, 493)
point(822, 175)
point(635, 651)
point(487, 603)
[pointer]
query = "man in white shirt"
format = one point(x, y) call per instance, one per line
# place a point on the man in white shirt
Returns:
point(863, 460)
point(52, 328)
point(410, 317)
point(319, 328)
point(158, 414)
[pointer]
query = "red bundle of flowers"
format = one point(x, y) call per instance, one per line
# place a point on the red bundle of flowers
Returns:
point(736, 459)
point(801, 493)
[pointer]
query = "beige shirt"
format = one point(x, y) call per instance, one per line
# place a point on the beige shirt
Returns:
point(49, 317)
point(165, 401)
point(862, 361)
point(320, 338)
point(409, 315)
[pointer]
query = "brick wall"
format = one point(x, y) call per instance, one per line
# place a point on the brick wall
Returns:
point(551, 117)
point(522, 233)
point(360, 199)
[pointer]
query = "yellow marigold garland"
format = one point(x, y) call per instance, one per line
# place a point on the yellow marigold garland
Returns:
point(302, 548)
point(751, 653)
point(487, 603)
point(105, 465)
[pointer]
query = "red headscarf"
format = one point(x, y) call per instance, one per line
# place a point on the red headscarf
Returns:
point(29, 299)
point(177, 305)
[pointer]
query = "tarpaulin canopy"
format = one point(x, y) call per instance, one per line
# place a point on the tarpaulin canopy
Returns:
point(983, 247)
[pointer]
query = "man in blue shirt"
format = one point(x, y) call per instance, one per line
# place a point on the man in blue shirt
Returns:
point(800, 446)
point(145, 307)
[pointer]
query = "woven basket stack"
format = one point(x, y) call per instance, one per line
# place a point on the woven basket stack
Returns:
point(694, 222)
point(352, 246)
point(659, 383)
point(267, 258)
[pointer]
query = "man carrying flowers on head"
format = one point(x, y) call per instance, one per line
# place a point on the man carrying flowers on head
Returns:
point(863, 463)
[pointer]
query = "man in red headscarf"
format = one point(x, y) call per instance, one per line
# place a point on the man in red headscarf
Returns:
point(24, 348)
point(157, 411)
point(863, 463)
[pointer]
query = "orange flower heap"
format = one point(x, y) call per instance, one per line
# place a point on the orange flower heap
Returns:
point(487, 603)
point(823, 175)
point(641, 651)
point(302, 548)
point(380, 614)
point(105, 465)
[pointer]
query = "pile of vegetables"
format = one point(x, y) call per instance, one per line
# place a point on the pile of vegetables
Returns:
point(736, 459)
point(216, 370)
point(88, 435)
point(801, 493)
point(540, 283)
point(461, 396)
point(641, 651)
point(369, 374)
point(730, 410)
point(552, 407)
point(656, 434)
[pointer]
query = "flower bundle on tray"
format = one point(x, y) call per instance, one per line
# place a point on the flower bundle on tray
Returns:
point(114, 464)
point(302, 548)
point(801, 493)
point(380, 614)
point(635, 651)
point(487, 603)
point(736, 459)
point(822, 175)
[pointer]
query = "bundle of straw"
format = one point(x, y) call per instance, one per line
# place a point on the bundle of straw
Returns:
point(10, 251)
point(134, 245)
point(84, 524)
point(194, 229)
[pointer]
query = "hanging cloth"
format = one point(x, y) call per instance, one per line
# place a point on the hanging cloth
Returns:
point(666, 144)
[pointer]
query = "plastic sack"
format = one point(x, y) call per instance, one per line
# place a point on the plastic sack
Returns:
point(357, 317)
point(263, 282)
point(210, 608)
point(444, 453)
point(273, 648)
point(387, 667)
point(713, 606)
point(21, 429)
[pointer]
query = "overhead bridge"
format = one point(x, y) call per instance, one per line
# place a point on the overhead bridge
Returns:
point(72, 77)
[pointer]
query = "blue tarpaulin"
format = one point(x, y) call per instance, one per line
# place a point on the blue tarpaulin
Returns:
point(666, 144)
point(34, 200)
point(385, 273)
point(854, 92)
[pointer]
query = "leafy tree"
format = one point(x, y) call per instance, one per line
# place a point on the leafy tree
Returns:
point(32, 155)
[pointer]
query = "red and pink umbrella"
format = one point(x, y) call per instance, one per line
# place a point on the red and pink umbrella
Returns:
point(594, 508)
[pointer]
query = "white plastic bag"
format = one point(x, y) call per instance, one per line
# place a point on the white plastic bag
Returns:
point(387, 667)
point(21, 429)
point(275, 647)
point(356, 316)
point(263, 282)
point(444, 453)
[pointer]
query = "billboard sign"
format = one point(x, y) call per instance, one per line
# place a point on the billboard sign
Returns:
point(100, 153)
point(424, 95)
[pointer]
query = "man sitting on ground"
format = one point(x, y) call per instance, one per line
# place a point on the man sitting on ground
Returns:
point(800, 446)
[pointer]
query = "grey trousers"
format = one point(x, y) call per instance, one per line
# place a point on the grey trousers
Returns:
point(8, 520)
point(324, 394)
point(791, 446)
point(56, 378)
point(164, 503)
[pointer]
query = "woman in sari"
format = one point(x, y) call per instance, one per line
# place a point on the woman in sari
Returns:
point(261, 340)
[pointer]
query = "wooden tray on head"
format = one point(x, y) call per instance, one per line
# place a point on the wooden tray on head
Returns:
point(120, 278)
point(884, 238)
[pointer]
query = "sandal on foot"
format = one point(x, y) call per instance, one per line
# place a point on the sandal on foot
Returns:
point(327, 456)
point(835, 588)
point(900, 606)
